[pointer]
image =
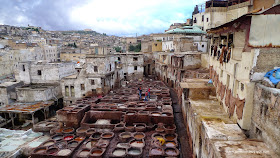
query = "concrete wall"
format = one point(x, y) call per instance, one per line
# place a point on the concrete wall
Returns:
point(258, 4)
point(156, 46)
point(72, 57)
point(236, 13)
point(167, 45)
point(8, 92)
point(192, 61)
point(41, 93)
point(129, 65)
point(205, 60)
point(50, 72)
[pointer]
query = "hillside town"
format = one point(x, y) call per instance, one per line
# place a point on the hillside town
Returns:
point(205, 88)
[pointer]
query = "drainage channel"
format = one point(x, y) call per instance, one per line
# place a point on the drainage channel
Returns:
point(185, 150)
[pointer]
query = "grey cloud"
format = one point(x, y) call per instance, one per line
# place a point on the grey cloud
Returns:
point(50, 14)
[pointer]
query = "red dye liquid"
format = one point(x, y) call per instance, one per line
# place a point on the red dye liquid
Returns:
point(68, 137)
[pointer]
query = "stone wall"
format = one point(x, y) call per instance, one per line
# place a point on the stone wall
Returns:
point(266, 116)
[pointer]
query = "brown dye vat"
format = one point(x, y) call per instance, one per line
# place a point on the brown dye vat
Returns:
point(156, 151)
point(129, 128)
point(91, 143)
point(119, 152)
point(155, 113)
point(171, 144)
point(124, 136)
point(40, 150)
point(119, 127)
point(130, 113)
point(48, 143)
point(170, 129)
point(68, 137)
point(96, 135)
point(139, 135)
point(52, 151)
point(73, 144)
point(155, 136)
point(134, 151)
point(57, 137)
point(166, 114)
point(171, 152)
point(68, 130)
point(107, 135)
point(160, 130)
point(64, 152)
point(90, 131)
point(81, 131)
point(123, 145)
point(61, 144)
point(79, 138)
point(151, 126)
point(96, 152)
point(103, 143)
point(137, 143)
point(58, 131)
point(141, 127)
point(170, 137)
point(83, 153)
point(143, 112)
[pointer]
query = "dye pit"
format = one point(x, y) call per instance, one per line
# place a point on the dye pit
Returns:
point(116, 125)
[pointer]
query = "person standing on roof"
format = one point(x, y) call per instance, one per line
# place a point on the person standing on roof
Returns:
point(146, 96)
point(149, 92)
point(140, 92)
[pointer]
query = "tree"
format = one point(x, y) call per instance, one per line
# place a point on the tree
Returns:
point(118, 49)
point(138, 48)
point(131, 48)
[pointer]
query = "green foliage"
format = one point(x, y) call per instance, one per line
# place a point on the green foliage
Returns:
point(136, 48)
point(72, 45)
point(131, 48)
point(118, 49)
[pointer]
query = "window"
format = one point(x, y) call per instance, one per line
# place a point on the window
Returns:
point(66, 91)
point(207, 19)
point(228, 79)
point(39, 72)
point(119, 59)
point(95, 69)
point(202, 46)
point(242, 86)
point(155, 44)
point(93, 91)
point(135, 67)
point(72, 91)
point(92, 82)
point(82, 87)
point(202, 19)
point(194, 20)
point(135, 58)
point(23, 68)
point(110, 67)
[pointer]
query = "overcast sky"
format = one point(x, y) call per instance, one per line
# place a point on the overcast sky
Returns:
point(114, 17)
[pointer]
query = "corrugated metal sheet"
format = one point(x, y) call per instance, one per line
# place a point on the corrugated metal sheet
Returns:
point(265, 31)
